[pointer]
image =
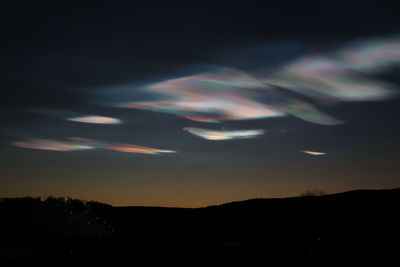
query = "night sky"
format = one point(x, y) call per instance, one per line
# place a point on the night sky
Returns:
point(115, 101)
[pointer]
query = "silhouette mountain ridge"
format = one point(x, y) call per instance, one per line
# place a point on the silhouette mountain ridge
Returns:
point(360, 225)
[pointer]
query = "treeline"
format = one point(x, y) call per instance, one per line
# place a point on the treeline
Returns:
point(302, 231)
point(73, 203)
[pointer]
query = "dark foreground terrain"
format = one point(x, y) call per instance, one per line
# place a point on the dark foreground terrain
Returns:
point(358, 228)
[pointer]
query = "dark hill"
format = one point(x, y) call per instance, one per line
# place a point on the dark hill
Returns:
point(359, 228)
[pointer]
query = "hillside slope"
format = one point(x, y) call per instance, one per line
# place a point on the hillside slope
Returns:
point(357, 227)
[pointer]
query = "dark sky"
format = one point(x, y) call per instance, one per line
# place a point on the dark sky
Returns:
point(64, 59)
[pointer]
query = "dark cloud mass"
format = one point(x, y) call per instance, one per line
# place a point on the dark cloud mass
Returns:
point(257, 99)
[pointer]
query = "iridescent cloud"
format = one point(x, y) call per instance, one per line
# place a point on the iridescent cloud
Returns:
point(223, 135)
point(325, 79)
point(313, 153)
point(208, 98)
point(136, 149)
point(73, 144)
point(227, 95)
point(95, 119)
point(371, 55)
point(298, 88)
point(56, 145)
point(75, 116)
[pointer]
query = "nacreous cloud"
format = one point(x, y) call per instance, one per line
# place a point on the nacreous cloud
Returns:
point(136, 149)
point(371, 56)
point(297, 88)
point(95, 119)
point(223, 135)
point(228, 95)
point(76, 116)
point(313, 153)
point(73, 144)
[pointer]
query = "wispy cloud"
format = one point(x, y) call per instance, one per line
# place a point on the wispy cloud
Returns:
point(126, 148)
point(374, 55)
point(95, 119)
point(76, 116)
point(223, 135)
point(313, 153)
point(71, 144)
point(208, 97)
point(297, 88)
point(74, 144)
